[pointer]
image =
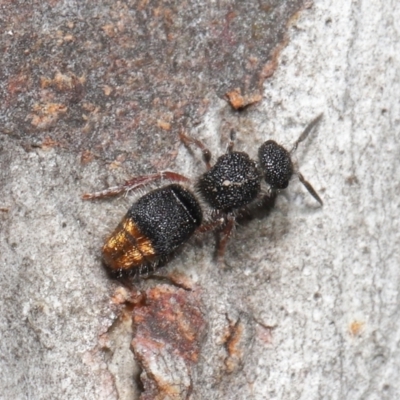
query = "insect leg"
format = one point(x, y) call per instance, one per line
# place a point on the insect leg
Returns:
point(224, 239)
point(135, 183)
point(188, 141)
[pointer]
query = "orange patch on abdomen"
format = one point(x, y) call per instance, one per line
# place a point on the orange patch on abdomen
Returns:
point(127, 247)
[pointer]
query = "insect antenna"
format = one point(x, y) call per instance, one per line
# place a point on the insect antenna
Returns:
point(301, 138)
point(306, 132)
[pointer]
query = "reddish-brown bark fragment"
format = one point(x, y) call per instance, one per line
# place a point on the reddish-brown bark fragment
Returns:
point(237, 339)
point(238, 101)
point(169, 331)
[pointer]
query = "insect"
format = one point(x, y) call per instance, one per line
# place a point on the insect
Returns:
point(162, 220)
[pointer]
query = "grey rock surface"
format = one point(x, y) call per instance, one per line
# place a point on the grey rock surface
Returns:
point(313, 291)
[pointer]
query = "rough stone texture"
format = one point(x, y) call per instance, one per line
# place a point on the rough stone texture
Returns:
point(307, 306)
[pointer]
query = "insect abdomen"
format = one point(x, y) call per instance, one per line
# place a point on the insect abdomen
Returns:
point(156, 225)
